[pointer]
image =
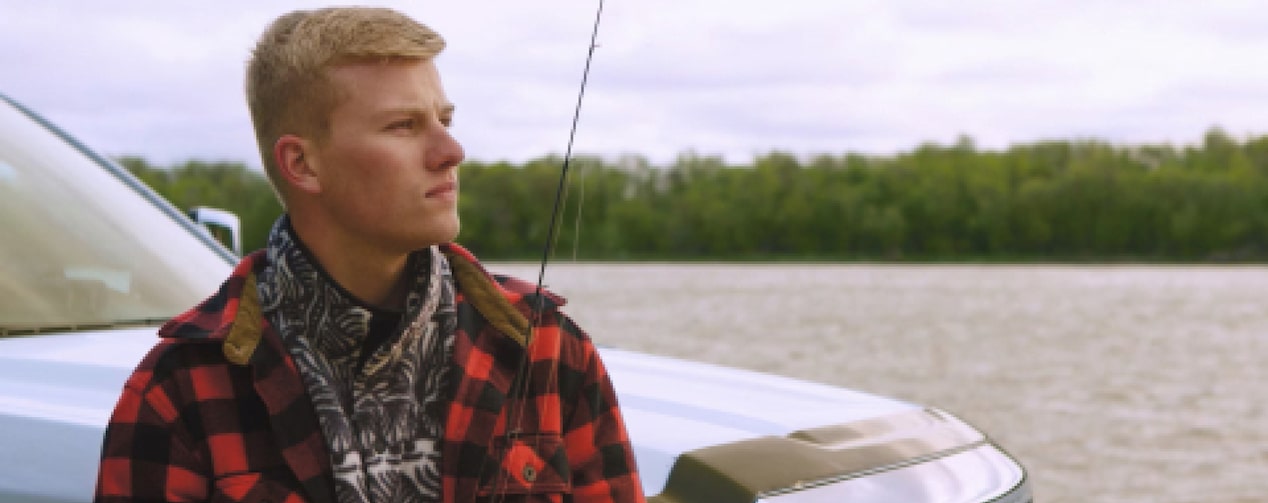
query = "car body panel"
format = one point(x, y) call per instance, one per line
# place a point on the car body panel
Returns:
point(673, 406)
point(982, 473)
point(56, 395)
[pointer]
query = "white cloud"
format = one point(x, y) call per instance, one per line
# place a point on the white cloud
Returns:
point(163, 79)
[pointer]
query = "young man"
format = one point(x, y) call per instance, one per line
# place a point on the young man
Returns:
point(362, 356)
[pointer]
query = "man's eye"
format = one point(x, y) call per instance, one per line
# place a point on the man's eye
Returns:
point(402, 124)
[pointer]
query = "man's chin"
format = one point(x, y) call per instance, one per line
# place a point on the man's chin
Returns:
point(445, 232)
point(452, 231)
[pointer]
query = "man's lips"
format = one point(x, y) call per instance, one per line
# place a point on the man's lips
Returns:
point(442, 189)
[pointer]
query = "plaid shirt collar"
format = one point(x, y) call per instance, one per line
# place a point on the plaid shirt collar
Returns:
point(233, 315)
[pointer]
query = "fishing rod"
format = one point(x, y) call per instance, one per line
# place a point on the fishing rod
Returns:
point(519, 385)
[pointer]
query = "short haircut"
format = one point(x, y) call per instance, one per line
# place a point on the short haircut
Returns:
point(288, 89)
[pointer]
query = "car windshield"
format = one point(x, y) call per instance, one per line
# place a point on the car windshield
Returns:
point(80, 247)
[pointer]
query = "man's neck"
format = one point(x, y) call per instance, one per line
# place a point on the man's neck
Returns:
point(368, 273)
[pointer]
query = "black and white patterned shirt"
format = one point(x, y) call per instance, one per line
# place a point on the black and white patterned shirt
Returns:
point(381, 413)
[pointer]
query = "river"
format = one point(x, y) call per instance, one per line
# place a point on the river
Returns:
point(1109, 383)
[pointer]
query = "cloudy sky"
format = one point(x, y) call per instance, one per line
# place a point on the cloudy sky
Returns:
point(163, 78)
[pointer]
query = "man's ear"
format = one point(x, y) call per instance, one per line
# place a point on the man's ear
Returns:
point(295, 163)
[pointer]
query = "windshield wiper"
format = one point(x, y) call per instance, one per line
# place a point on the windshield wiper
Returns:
point(30, 329)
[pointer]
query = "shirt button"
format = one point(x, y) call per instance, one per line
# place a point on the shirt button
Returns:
point(530, 473)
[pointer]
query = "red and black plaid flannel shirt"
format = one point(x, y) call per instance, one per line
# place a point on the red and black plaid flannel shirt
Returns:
point(217, 411)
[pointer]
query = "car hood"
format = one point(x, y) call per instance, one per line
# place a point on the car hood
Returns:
point(56, 394)
point(64, 387)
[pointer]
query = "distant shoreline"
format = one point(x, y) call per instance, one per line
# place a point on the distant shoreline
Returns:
point(868, 261)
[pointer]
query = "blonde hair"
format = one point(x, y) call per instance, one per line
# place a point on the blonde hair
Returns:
point(288, 91)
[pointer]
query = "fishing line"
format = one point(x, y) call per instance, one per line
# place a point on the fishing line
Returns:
point(523, 373)
point(576, 226)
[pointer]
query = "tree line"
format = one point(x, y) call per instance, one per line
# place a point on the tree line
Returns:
point(1069, 200)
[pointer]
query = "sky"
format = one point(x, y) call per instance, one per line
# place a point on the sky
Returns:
point(162, 79)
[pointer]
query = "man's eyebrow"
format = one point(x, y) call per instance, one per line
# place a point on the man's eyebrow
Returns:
point(446, 109)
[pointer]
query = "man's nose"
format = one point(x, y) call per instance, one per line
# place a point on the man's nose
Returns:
point(446, 152)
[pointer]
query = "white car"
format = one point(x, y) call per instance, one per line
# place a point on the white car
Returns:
point(92, 261)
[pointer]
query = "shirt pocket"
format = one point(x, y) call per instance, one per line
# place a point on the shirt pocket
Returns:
point(256, 487)
point(534, 464)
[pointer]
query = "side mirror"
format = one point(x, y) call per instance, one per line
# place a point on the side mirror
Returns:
point(214, 219)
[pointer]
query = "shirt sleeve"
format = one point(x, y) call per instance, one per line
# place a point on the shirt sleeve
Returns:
point(598, 446)
point(146, 454)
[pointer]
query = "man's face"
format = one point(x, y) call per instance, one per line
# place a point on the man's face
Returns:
point(388, 167)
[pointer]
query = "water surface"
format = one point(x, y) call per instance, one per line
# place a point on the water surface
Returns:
point(1110, 383)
